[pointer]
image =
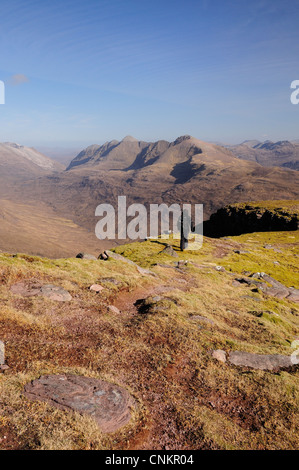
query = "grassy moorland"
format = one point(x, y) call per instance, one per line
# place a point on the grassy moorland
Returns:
point(161, 355)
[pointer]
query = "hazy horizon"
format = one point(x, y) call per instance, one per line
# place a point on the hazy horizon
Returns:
point(54, 148)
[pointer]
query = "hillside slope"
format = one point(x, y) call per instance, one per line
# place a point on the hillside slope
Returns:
point(263, 216)
point(153, 336)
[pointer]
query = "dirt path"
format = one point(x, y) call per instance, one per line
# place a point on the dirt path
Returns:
point(155, 435)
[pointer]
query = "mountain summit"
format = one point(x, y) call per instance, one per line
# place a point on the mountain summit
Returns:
point(20, 161)
point(131, 154)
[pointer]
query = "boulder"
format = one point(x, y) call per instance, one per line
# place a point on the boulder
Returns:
point(103, 256)
point(168, 250)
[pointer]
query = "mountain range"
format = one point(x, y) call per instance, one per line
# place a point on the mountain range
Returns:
point(187, 170)
point(282, 153)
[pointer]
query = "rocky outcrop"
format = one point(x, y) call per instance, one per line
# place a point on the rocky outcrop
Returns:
point(238, 219)
point(168, 250)
point(275, 289)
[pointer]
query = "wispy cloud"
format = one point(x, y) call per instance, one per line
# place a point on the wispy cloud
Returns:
point(18, 79)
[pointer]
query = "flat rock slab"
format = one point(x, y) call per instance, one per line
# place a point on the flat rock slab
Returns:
point(32, 288)
point(86, 256)
point(260, 361)
point(107, 403)
point(117, 257)
point(55, 293)
point(26, 288)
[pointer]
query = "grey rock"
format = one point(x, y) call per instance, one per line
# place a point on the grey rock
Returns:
point(168, 250)
point(260, 361)
point(219, 354)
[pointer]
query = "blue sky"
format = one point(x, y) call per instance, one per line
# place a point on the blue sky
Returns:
point(78, 73)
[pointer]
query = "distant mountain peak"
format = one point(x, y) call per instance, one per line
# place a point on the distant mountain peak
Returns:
point(20, 159)
point(182, 138)
point(129, 138)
